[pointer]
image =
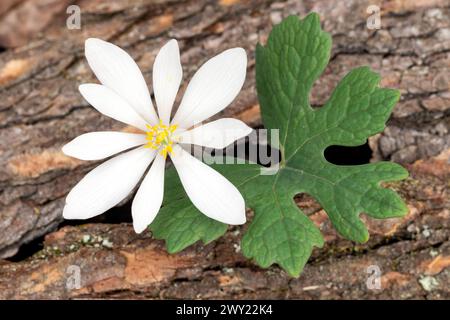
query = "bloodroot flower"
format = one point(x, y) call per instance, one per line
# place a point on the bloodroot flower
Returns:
point(124, 96)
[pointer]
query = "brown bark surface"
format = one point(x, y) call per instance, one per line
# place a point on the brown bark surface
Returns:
point(41, 109)
point(413, 255)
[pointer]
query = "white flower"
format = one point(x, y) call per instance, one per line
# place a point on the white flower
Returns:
point(124, 96)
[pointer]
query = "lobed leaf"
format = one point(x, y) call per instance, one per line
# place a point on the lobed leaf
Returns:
point(296, 54)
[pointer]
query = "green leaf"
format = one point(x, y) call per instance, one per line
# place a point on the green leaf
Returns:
point(179, 222)
point(181, 225)
point(296, 54)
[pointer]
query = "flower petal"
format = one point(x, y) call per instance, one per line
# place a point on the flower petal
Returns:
point(107, 185)
point(118, 71)
point(212, 87)
point(167, 75)
point(102, 144)
point(209, 191)
point(216, 134)
point(148, 199)
point(109, 103)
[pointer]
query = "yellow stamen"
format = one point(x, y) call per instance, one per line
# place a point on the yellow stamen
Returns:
point(159, 137)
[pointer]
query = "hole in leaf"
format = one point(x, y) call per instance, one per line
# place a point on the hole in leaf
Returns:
point(307, 203)
point(347, 156)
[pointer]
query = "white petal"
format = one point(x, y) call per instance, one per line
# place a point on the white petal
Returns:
point(167, 75)
point(149, 197)
point(209, 191)
point(107, 102)
point(102, 144)
point(108, 184)
point(216, 134)
point(212, 87)
point(118, 71)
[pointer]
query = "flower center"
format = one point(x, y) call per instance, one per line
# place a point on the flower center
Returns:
point(159, 137)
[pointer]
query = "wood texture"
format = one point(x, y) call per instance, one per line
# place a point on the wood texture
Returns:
point(413, 255)
point(41, 109)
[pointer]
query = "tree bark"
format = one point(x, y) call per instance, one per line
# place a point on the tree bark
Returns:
point(412, 254)
point(41, 109)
